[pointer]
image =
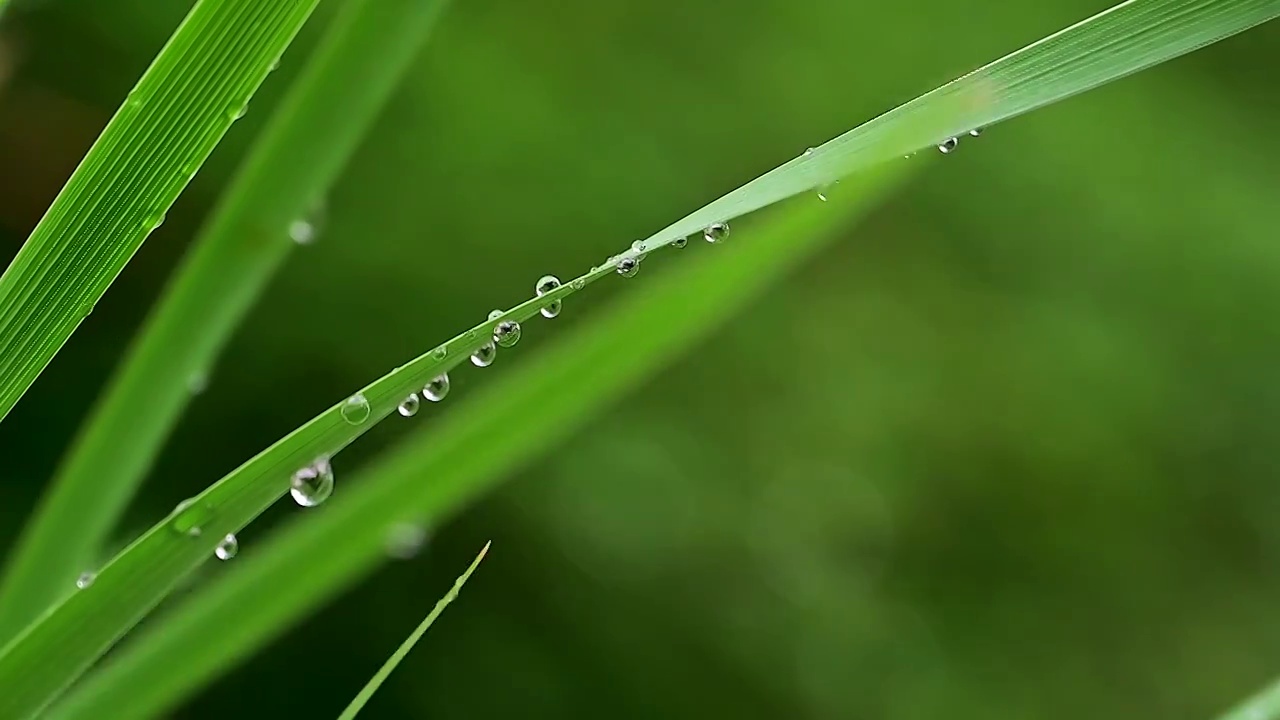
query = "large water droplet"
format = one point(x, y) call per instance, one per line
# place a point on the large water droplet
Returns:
point(228, 548)
point(507, 333)
point(639, 246)
point(437, 388)
point(190, 516)
point(948, 145)
point(546, 284)
point(409, 407)
point(680, 242)
point(628, 267)
point(716, 232)
point(86, 579)
point(355, 409)
point(312, 484)
point(484, 355)
point(405, 540)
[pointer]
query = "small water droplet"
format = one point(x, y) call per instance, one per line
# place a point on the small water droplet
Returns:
point(275, 64)
point(716, 232)
point(808, 152)
point(355, 409)
point(595, 269)
point(437, 389)
point(440, 353)
point(134, 99)
point(190, 516)
point(197, 382)
point(495, 314)
point(948, 145)
point(507, 333)
point(238, 111)
point(409, 407)
point(405, 540)
point(470, 335)
point(680, 242)
point(484, 355)
point(639, 246)
point(822, 196)
point(153, 221)
point(975, 132)
point(312, 484)
point(228, 548)
point(86, 579)
point(85, 309)
point(302, 232)
point(628, 267)
point(578, 284)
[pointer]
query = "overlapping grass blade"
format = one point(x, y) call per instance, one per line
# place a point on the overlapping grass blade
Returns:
point(376, 681)
point(467, 453)
point(1135, 35)
point(290, 168)
point(196, 87)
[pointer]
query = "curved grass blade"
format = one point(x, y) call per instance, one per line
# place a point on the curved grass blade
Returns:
point(376, 681)
point(548, 398)
point(196, 87)
point(76, 632)
point(291, 166)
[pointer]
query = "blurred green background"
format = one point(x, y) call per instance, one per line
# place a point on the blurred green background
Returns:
point(1008, 451)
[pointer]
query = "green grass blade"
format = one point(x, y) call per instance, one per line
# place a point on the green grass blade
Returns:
point(73, 634)
point(289, 169)
point(1264, 705)
point(374, 683)
point(467, 453)
point(195, 88)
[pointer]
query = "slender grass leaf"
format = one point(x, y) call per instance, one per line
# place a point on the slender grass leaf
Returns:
point(1083, 56)
point(376, 681)
point(289, 169)
point(466, 454)
point(1265, 705)
point(198, 85)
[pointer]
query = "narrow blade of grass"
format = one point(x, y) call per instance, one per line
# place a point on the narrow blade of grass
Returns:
point(289, 169)
point(195, 88)
point(76, 632)
point(376, 681)
point(1265, 705)
point(471, 449)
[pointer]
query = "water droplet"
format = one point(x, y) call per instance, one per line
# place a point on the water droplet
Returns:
point(552, 309)
point(275, 64)
point(197, 382)
point(437, 389)
point(546, 284)
point(495, 314)
point(822, 196)
point(302, 232)
point(808, 152)
point(228, 548)
point(440, 353)
point(628, 267)
point(716, 232)
point(507, 333)
point(355, 409)
point(153, 221)
point(134, 99)
point(484, 355)
point(405, 540)
point(312, 484)
point(86, 579)
point(578, 284)
point(85, 309)
point(639, 246)
point(975, 132)
point(948, 145)
point(409, 407)
point(470, 335)
point(190, 516)
point(680, 242)
point(237, 112)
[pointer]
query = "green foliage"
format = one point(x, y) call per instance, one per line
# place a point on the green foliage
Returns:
point(287, 174)
point(375, 682)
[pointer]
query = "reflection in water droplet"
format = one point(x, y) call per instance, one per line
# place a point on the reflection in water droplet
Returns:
point(639, 246)
point(546, 284)
point(948, 145)
point(716, 232)
point(628, 267)
point(437, 388)
point(507, 333)
point(579, 283)
point(484, 355)
point(228, 548)
point(440, 353)
point(680, 242)
point(405, 540)
point(355, 409)
point(495, 314)
point(312, 484)
point(409, 407)
point(86, 579)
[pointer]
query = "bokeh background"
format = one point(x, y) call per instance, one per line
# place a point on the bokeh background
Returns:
point(1009, 450)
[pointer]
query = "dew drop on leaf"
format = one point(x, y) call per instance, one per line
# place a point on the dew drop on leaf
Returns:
point(437, 389)
point(716, 232)
point(228, 548)
point(680, 242)
point(312, 484)
point(86, 579)
point(948, 145)
point(355, 409)
point(507, 333)
point(409, 407)
point(628, 267)
point(484, 355)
